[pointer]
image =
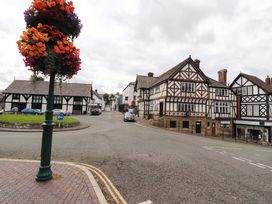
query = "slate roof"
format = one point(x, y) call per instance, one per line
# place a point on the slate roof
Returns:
point(41, 88)
point(255, 80)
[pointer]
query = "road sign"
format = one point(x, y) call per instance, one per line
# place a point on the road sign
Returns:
point(60, 116)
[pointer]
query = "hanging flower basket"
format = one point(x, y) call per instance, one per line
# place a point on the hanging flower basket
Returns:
point(46, 43)
point(59, 13)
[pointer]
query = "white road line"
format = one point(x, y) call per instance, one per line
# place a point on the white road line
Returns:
point(223, 152)
point(227, 147)
point(139, 125)
point(245, 159)
point(256, 165)
point(146, 202)
point(261, 150)
point(207, 148)
point(238, 159)
point(270, 167)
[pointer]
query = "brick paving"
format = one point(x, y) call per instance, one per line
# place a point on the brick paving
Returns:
point(18, 184)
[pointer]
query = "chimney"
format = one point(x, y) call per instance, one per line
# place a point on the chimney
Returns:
point(222, 76)
point(197, 61)
point(150, 74)
point(267, 80)
point(96, 90)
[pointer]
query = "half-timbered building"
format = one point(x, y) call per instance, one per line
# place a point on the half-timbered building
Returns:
point(71, 97)
point(185, 99)
point(254, 107)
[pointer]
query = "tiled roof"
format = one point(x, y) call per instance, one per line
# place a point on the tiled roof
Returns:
point(148, 82)
point(144, 81)
point(215, 83)
point(41, 88)
point(255, 80)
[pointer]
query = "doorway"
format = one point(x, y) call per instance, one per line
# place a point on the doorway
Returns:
point(161, 109)
point(198, 127)
point(213, 129)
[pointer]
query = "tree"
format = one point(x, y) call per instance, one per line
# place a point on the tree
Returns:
point(106, 98)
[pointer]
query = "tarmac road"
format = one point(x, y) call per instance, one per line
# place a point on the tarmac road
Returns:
point(158, 165)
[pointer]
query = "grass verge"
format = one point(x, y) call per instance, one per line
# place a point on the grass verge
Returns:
point(33, 119)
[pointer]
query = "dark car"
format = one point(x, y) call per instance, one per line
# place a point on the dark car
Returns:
point(31, 111)
point(95, 111)
point(128, 116)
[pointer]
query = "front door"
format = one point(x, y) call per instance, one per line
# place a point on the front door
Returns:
point(161, 109)
point(198, 127)
point(213, 129)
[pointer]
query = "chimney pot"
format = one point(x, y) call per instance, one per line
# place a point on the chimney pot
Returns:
point(222, 76)
point(150, 74)
point(267, 80)
point(95, 90)
point(197, 61)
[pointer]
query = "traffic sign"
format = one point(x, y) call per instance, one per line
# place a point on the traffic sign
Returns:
point(60, 116)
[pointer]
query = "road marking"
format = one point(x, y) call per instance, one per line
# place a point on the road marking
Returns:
point(139, 125)
point(223, 152)
point(256, 165)
point(227, 147)
point(246, 159)
point(146, 202)
point(270, 167)
point(238, 159)
point(207, 148)
point(261, 150)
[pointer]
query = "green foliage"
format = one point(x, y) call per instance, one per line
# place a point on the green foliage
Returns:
point(33, 119)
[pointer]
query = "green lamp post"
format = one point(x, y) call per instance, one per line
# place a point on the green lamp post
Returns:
point(48, 49)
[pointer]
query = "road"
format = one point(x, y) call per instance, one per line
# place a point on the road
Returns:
point(158, 165)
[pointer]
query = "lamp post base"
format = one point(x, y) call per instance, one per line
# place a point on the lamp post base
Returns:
point(44, 173)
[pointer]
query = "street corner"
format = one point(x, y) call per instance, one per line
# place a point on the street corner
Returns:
point(71, 183)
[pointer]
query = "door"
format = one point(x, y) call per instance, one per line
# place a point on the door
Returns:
point(198, 127)
point(213, 129)
point(161, 109)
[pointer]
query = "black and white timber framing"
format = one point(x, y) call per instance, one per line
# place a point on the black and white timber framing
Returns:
point(185, 99)
point(254, 107)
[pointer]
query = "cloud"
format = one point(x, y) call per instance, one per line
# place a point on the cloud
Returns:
point(123, 38)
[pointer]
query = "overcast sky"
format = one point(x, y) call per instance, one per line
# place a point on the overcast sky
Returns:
point(122, 38)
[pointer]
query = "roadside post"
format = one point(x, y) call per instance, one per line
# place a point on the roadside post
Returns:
point(60, 117)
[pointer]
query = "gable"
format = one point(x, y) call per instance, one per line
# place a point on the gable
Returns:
point(241, 81)
point(189, 73)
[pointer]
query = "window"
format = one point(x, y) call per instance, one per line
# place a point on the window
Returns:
point(151, 91)
point(157, 89)
point(37, 99)
point(184, 107)
point(244, 90)
point(16, 96)
point(250, 90)
point(222, 107)
point(188, 86)
point(239, 91)
point(185, 124)
point(222, 92)
point(78, 99)
point(57, 100)
point(173, 124)
point(126, 98)
point(253, 110)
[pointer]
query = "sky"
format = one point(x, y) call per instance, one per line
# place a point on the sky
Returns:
point(123, 38)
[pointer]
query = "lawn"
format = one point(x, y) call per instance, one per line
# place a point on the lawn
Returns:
point(33, 119)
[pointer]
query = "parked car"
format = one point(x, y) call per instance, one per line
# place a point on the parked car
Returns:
point(128, 116)
point(60, 111)
point(31, 111)
point(1, 111)
point(96, 111)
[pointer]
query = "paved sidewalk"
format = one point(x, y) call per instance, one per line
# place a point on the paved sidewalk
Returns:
point(70, 184)
point(147, 123)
